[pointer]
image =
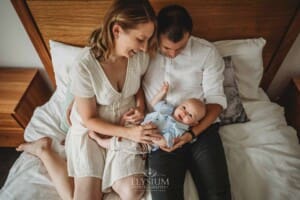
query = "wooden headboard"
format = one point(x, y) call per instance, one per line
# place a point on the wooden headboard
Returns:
point(71, 22)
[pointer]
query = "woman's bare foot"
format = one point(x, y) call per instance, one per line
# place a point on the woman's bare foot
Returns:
point(36, 147)
point(103, 142)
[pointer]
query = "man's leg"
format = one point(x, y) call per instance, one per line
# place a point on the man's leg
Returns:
point(208, 166)
point(166, 173)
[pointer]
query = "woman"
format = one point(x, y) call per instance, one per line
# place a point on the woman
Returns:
point(128, 30)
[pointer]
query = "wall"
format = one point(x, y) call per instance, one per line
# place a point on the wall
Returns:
point(16, 50)
point(290, 68)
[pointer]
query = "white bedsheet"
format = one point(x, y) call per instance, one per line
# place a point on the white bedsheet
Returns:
point(263, 156)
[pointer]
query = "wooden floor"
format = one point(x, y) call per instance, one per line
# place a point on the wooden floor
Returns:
point(7, 159)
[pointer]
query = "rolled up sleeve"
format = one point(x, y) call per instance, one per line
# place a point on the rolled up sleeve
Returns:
point(213, 79)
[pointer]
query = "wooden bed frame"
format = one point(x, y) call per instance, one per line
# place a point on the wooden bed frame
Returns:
point(71, 22)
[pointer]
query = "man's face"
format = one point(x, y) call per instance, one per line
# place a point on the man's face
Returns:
point(171, 49)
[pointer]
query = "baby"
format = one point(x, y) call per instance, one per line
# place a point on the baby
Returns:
point(171, 121)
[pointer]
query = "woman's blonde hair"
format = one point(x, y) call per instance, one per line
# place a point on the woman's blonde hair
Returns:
point(127, 14)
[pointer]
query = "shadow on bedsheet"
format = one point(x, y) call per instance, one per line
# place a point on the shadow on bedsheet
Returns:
point(7, 158)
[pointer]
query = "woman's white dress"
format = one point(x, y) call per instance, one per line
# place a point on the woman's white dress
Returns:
point(84, 156)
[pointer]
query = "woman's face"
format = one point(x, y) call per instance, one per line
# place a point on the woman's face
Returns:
point(129, 42)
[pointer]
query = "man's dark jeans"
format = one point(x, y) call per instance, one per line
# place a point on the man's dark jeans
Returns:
point(204, 158)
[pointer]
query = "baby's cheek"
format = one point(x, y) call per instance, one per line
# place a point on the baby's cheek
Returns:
point(189, 122)
point(185, 121)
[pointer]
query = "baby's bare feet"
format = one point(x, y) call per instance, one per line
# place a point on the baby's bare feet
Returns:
point(103, 142)
point(36, 147)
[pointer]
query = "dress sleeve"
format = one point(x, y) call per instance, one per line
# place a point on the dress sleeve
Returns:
point(213, 79)
point(81, 84)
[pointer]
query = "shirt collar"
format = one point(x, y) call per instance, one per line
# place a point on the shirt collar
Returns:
point(188, 48)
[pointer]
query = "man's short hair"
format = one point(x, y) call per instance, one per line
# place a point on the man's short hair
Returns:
point(174, 21)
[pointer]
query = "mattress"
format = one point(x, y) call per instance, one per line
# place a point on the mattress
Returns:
point(263, 156)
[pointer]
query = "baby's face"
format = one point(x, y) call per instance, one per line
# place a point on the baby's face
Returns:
point(189, 112)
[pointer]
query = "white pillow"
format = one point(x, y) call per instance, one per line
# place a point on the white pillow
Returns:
point(248, 61)
point(62, 56)
point(246, 55)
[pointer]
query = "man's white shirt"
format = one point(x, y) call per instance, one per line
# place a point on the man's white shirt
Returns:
point(197, 71)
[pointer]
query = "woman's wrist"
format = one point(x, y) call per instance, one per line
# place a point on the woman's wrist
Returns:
point(126, 132)
point(129, 132)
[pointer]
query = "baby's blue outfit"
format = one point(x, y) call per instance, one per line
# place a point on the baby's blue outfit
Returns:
point(168, 126)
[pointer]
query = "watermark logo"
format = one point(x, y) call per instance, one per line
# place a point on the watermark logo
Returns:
point(152, 180)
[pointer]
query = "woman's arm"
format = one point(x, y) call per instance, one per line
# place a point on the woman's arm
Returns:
point(87, 109)
point(135, 115)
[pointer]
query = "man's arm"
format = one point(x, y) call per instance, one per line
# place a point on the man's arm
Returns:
point(212, 83)
point(140, 100)
point(213, 90)
point(212, 113)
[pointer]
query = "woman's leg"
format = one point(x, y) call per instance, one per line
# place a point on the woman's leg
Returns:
point(87, 188)
point(131, 187)
point(55, 165)
point(208, 166)
point(86, 158)
point(102, 142)
point(166, 173)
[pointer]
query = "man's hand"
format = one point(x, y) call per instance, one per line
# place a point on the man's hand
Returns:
point(133, 116)
point(178, 142)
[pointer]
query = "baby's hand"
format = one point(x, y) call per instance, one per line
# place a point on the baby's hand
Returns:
point(125, 117)
point(160, 142)
point(165, 87)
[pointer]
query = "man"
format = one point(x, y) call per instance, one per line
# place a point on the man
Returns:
point(194, 69)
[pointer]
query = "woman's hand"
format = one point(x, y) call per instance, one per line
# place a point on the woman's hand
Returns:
point(133, 116)
point(178, 142)
point(144, 133)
